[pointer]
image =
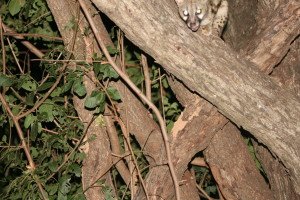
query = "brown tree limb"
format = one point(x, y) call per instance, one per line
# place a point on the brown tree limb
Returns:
point(241, 92)
point(115, 147)
point(98, 149)
point(147, 76)
point(2, 45)
point(268, 47)
point(288, 74)
point(268, 11)
point(191, 133)
point(138, 93)
point(233, 168)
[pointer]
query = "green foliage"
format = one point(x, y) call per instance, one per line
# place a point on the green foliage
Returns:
point(52, 129)
point(252, 152)
point(206, 180)
point(97, 98)
point(113, 93)
point(15, 6)
point(172, 111)
point(6, 81)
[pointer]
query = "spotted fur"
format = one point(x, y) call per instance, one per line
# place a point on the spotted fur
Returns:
point(209, 15)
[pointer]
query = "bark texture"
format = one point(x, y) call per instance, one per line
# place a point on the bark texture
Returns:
point(241, 36)
point(240, 91)
point(97, 150)
point(233, 168)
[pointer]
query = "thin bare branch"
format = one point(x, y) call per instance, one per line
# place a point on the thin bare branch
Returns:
point(24, 144)
point(147, 76)
point(138, 92)
point(3, 49)
point(27, 44)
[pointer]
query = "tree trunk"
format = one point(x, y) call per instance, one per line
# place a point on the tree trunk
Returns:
point(207, 66)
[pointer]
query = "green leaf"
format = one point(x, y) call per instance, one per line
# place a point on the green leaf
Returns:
point(45, 86)
point(52, 188)
point(211, 189)
point(29, 120)
point(100, 120)
point(90, 102)
point(75, 168)
point(66, 87)
point(165, 83)
point(4, 138)
point(29, 86)
point(109, 72)
point(79, 88)
point(5, 81)
point(95, 99)
point(46, 109)
point(105, 71)
point(15, 6)
point(29, 100)
point(16, 109)
point(57, 91)
point(58, 100)
point(112, 50)
point(80, 156)
point(53, 166)
point(34, 152)
point(135, 75)
point(64, 185)
point(34, 131)
point(108, 194)
point(113, 93)
point(137, 55)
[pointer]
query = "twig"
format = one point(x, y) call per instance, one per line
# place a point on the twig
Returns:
point(15, 57)
point(131, 161)
point(40, 102)
point(32, 35)
point(203, 192)
point(104, 172)
point(115, 147)
point(27, 44)
point(161, 95)
point(75, 61)
point(138, 92)
point(126, 135)
point(35, 20)
point(3, 49)
point(24, 145)
point(147, 76)
point(73, 150)
point(50, 131)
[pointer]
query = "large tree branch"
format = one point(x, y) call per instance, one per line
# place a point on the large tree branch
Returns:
point(268, 47)
point(233, 84)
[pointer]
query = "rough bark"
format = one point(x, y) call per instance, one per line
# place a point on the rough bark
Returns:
point(99, 149)
point(274, 33)
point(239, 30)
point(241, 36)
point(233, 168)
point(191, 133)
point(226, 152)
point(288, 75)
point(231, 83)
point(141, 124)
point(285, 73)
